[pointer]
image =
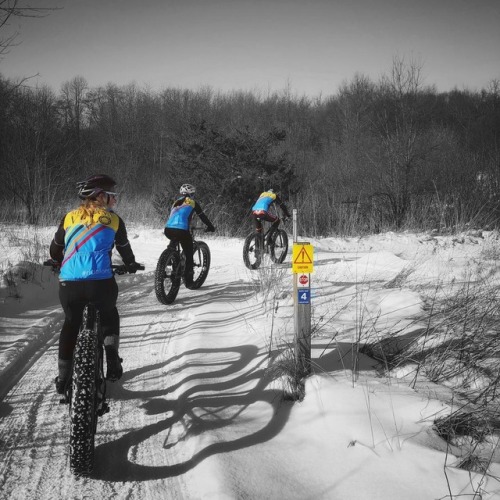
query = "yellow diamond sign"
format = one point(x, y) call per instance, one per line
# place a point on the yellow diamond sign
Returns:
point(302, 258)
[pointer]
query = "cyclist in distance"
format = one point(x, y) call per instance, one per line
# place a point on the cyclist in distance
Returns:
point(260, 210)
point(82, 247)
point(177, 227)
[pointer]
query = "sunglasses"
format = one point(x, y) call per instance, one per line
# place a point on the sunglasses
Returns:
point(110, 193)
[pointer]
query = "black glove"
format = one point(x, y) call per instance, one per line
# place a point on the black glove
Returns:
point(133, 267)
point(210, 229)
point(54, 264)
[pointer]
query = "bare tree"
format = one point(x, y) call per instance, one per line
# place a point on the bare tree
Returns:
point(14, 8)
point(404, 144)
point(73, 106)
point(32, 154)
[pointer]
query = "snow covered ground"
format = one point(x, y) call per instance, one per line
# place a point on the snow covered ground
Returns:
point(197, 414)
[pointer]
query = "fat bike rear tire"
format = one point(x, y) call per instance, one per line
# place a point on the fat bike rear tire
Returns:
point(252, 253)
point(168, 276)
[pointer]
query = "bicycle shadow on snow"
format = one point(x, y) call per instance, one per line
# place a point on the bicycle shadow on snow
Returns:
point(240, 291)
point(112, 459)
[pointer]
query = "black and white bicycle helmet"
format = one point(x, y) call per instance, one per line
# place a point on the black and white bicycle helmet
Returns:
point(94, 185)
point(187, 190)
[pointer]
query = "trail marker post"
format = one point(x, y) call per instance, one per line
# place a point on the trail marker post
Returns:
point(302, 267)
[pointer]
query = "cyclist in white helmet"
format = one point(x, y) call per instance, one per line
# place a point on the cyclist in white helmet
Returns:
point(177, 227)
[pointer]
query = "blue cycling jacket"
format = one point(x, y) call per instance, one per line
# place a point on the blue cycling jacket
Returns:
point(264, 202)
point(181, 213)
point(83, 245)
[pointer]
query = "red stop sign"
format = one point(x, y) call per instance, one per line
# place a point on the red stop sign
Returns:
point(303, 279)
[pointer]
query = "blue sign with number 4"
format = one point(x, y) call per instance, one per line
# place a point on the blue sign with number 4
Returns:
point(304, 295)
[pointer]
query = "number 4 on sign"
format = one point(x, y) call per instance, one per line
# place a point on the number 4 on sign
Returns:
point(304, 295)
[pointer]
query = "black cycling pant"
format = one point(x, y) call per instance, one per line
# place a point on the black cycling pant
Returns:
point(186, 240)
point(74, 295)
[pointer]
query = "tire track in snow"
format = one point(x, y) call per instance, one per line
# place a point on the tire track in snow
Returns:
point(161, 432)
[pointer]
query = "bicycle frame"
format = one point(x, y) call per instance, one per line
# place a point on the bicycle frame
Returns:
point(265, 235)
point(272, 241)
point(177, 247)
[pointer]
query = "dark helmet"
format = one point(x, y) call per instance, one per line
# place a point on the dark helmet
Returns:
point(187, 190)
point(94, 185)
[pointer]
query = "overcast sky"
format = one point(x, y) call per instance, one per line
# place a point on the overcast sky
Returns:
point(311, 45)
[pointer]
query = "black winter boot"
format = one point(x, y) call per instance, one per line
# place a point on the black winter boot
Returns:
point(62, 380)
point(114, 364)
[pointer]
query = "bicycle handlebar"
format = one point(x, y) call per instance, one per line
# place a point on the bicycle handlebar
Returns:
point(53, 264)
point(122, 268)
point(119, 269)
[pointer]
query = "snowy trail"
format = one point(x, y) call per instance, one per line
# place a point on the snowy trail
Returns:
point(190, 373)
point(196, 415)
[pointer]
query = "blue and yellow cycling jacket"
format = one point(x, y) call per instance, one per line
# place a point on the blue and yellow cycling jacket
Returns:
point(182, 212)
point(264, 201)
point(84, 246)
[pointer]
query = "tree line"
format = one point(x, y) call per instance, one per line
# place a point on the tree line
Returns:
point(388, 155)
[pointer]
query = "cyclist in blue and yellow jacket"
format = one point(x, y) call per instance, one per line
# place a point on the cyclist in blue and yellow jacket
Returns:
point(260, 210)
point(82, 247)
point(177, 227)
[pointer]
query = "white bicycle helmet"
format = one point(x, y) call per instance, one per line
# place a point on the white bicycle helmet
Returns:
point(187, 189)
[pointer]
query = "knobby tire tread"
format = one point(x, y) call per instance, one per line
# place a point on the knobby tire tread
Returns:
point(251, 248)
point(83, 416)
point(167, 278)
point(202, 259)
point(278, 254)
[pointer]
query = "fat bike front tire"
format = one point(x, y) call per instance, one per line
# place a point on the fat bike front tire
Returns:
point(201, 264)
point(278, 246)
point(252, 253)
point(167, 276)
point(83, 404)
